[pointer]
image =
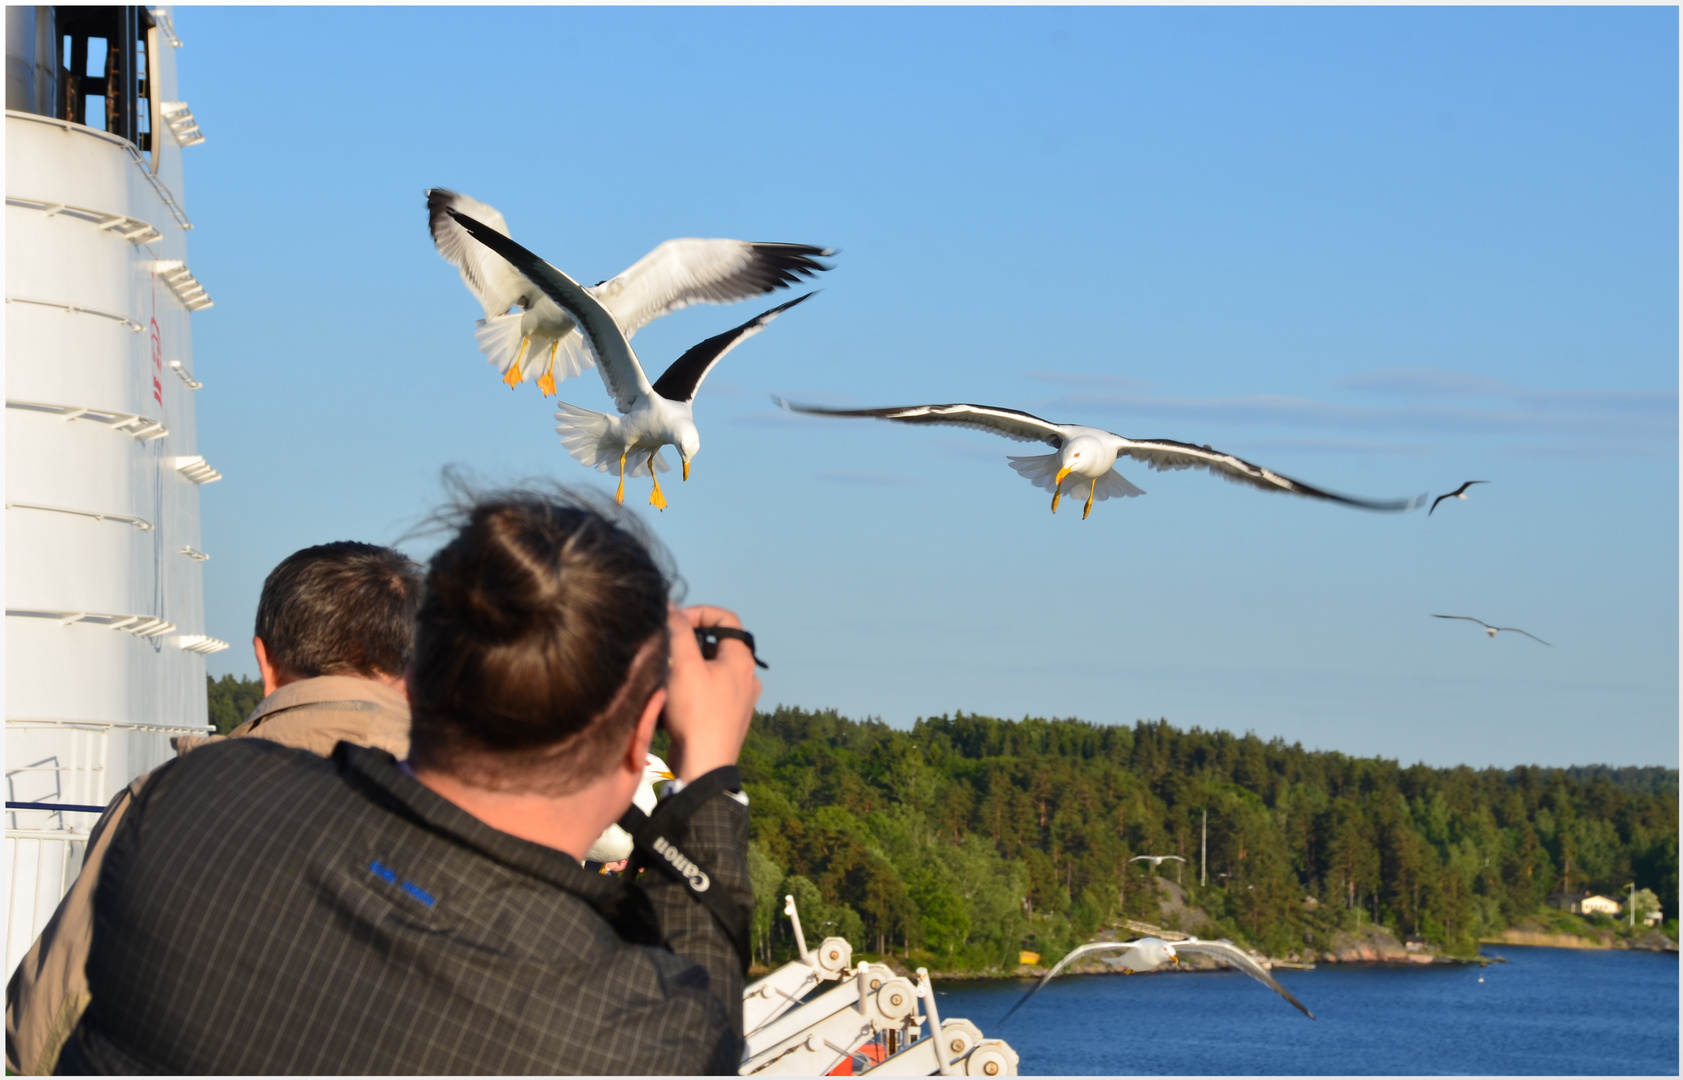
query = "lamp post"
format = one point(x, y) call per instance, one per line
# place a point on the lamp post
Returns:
point(1632, 904)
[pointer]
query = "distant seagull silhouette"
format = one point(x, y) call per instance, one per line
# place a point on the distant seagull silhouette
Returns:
point(1494, 630)
point(1458, 493)
point(1155, 860)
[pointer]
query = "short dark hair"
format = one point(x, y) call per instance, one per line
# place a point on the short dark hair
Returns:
point(541, 639)
point(344, 608)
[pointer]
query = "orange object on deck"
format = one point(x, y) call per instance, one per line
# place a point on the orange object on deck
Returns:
point(868, 1056)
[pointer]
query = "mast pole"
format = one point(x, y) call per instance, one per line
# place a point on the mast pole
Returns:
point(1204, 852)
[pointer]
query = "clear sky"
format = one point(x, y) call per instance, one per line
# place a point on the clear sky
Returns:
point(1381, 250)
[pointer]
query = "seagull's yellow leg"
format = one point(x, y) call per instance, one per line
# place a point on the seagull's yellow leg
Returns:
point(1058, 487)
point(547, 383)
point(1091, 490)
point(513, 376)
point(656, 499)
point(619, 496)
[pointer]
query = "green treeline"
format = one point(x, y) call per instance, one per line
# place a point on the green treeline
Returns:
point(231, 700)
point(967, 838)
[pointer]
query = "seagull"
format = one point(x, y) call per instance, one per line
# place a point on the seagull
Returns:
point(615, 843)
point(1494, 630)
point(674, 275)
point(1458, 493)
point(1149, 954)
point(653, 414)
point(1156, 860)
point(1086, 456)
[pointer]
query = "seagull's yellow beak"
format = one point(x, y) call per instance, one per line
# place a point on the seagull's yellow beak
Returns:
point(686, 468)
point(1173, 959)
point(667, 775)
point(1063, 472)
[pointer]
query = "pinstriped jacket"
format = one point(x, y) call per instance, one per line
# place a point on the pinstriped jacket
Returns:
point(48, 991)
point(302, 915)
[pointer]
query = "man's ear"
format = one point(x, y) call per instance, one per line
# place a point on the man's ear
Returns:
point(637, 754)
point(271, 675)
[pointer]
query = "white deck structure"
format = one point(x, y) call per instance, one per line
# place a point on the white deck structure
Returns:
point(104, 628)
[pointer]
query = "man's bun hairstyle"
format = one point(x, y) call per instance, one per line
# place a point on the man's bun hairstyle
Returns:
point(344, 608)
point(541, 639)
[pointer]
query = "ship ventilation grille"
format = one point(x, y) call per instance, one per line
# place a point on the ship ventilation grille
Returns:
point(181, 282)
point(196, 469)
point(180, 120)
point(203, 644)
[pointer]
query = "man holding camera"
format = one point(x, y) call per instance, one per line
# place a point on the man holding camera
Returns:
point(431, 915)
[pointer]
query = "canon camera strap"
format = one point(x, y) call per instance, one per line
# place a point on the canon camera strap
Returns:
point(653, 836)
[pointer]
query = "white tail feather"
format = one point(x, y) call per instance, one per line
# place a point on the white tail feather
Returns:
point(1042, 471)
point(499, 339)
point(1039, 469)
point(1114, 485)
point(594, 440)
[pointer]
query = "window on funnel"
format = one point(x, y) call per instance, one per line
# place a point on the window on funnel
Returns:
point(105, 73)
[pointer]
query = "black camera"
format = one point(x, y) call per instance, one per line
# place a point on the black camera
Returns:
point(708, 638)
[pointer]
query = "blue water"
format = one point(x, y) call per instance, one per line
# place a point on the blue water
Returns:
point(1544, 1011)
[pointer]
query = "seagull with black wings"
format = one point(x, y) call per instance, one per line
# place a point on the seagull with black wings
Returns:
point(653, 415)
point(1086, 457)
point(1458, 493)
point(1150, 953)
point(1492, 631)
point(540, 339)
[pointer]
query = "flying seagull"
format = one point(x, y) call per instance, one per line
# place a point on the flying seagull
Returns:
point(1086, 456)
point(654, 414)
point(1458, 493)
point(1149, 953)
point(615, 843)
point(674, 275)
point(1494, 630)
point(1156, 860)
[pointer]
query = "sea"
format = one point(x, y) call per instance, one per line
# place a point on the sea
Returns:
point(1544, 1011)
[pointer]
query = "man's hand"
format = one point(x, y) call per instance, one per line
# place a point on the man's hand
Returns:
point(709, 703)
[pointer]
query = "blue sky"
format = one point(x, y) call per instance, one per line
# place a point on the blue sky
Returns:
point(1381, 250)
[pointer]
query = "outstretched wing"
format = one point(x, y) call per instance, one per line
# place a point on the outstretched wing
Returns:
point(493, 282)
point(1176, 858)
point(683, 378)
point(1007, 422)
point(1517, 630)
point(1077, 953)
point(1439, 499)
point(679, 273)
point(621, 372)
point(1140, 858)
point(1239, 958)
point(1467, 618)
point(1165, 454)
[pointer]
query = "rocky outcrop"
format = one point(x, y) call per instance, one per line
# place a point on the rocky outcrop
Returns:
point(1372, 945)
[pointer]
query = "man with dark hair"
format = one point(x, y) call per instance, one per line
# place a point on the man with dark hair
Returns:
point(333, 637)
point(432, 915)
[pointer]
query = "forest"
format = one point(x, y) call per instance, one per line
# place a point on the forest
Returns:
point(965, 839)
